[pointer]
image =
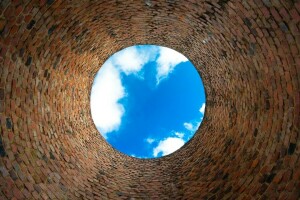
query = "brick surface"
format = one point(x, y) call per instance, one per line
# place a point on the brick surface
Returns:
point(247, 53)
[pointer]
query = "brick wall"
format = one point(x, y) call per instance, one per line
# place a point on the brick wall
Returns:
point(247, 53)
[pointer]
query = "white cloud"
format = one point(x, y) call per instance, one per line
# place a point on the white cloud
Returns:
point(135, 156)
point(150, 140)
point(167, 61)
point(180, 135)
point(188, 126)
point(191, 126)
point(132, 59)
point(168, 145)
point(202, 109)
point(106, 92)
point(194, 125)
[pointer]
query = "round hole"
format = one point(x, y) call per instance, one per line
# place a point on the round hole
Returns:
point(147, 101)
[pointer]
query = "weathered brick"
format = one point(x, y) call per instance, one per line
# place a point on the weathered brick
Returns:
point(247, 53)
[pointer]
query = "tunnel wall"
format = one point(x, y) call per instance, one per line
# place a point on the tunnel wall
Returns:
point(247, 53)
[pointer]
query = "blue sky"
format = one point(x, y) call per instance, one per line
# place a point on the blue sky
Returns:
point(147, 101)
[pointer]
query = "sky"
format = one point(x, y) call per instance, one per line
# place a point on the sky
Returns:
point(147, 101)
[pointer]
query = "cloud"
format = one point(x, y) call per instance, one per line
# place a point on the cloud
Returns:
point(167, 61)
point(188, 126)
point(202, 109)
point(194, 125)
point(191, 126)
point(132, 59)
point(180, 135)
point(107, 90)
point(135, 156)
point(168, 145)
point(150, 140)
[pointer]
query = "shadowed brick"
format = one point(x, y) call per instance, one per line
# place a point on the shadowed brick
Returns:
point(30, 25)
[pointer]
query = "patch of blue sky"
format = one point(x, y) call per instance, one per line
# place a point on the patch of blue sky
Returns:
point(147, 101)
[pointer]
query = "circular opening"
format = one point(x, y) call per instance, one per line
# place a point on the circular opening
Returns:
point(147, 101)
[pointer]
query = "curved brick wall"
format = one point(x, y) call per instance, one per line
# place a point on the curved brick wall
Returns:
point(248, 56)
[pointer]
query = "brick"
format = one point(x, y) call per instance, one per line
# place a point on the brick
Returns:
point(29, 186)
point(1, 94)
point(246, 147)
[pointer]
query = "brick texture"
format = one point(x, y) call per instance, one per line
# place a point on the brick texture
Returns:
point(246, 51)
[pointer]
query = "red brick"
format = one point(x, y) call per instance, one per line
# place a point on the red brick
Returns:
point(29, 186)
point(243, 149)
point(18, 10)
point(295, 15)
point(275, 14)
